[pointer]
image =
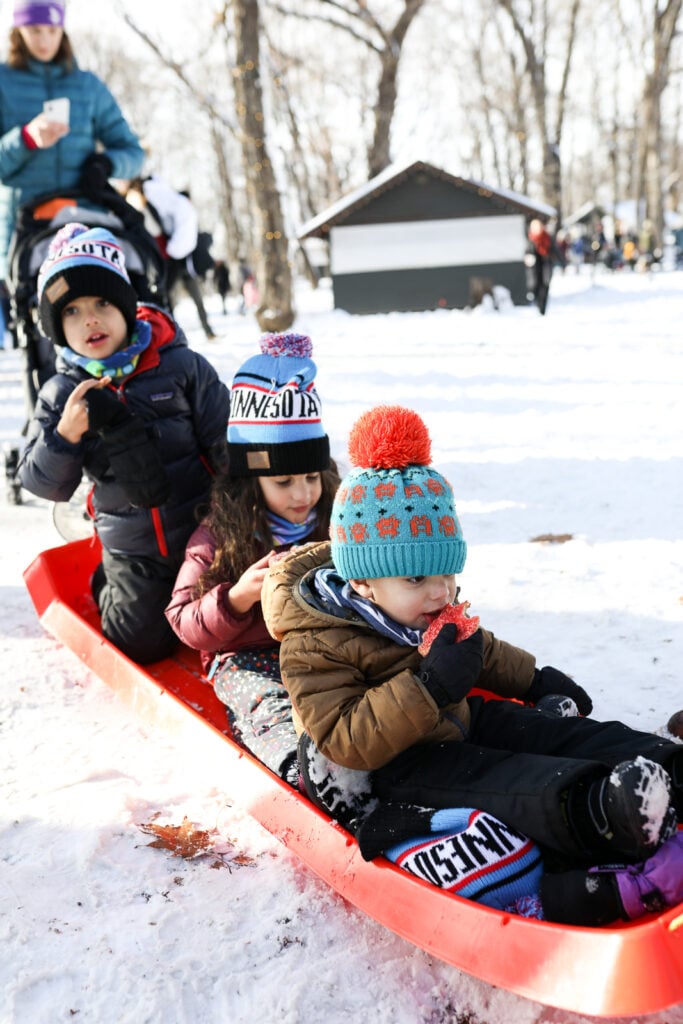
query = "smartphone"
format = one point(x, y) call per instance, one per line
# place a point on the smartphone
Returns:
point(57, 110)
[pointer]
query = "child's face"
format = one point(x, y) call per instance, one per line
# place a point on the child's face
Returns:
point(42, 41)
point(94, 327)
point(292, 497)
point(412, 601)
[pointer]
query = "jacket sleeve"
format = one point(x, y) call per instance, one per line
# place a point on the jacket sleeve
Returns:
point(114, 133)
point(204, 623)
point(508, 670)
point(355, 724)
point(50, 467)
point(210, 401)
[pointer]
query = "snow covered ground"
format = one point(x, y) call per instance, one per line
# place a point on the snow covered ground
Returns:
point(563, 425)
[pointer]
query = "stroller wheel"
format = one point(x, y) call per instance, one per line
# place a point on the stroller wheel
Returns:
point(71, 518)
point(12, 485)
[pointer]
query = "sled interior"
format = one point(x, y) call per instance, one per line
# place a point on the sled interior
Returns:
point(634, 969)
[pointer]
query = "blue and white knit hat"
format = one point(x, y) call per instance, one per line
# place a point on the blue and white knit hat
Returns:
point(394, 514)
point(469, 852)
point(83, 261)
point(26, 13)
point(275, 426)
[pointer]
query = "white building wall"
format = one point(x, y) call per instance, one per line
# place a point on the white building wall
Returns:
point(466, 241)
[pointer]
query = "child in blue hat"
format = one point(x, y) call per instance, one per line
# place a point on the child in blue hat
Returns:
point(351, 614)
point(133, 408)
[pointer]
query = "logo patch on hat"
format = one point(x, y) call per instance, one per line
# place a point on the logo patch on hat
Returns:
point(258, 460)
point(56, 289)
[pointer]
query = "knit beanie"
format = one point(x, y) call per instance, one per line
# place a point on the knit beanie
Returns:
point(275, 426)
point(394, 515)
point(25, 13)
point(466, 851)
point(83, 261)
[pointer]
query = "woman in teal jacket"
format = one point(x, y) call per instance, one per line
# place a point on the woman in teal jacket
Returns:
point(39, 154)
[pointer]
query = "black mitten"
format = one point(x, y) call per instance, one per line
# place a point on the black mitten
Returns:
point(96, 170)
point(104, 409)
point(133, 455)
point(451, 669)
point(550, 680)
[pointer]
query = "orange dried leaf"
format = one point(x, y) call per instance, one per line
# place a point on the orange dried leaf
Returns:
point(182, 840)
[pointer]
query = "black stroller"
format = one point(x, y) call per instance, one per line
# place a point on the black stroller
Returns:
point(37, 223)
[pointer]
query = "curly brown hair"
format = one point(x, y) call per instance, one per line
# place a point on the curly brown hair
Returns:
point(18, 55)
point(237, 518)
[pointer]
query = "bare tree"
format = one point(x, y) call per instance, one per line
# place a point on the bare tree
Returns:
point(273, 270)
point(386, 42)
point(532, 31)
point(649, 186)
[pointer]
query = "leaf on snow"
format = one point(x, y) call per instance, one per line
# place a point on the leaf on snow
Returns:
point(189, 842)
point(182, 840)
point(552, 538)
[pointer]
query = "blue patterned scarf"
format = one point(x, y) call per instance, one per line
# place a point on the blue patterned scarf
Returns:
point(285, 532)
point(118, 365)
point(337, 593)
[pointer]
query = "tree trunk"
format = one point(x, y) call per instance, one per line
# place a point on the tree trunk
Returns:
point(271, 262)
point(649, 185)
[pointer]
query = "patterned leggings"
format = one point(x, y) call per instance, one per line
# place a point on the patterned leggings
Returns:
point(259, 709)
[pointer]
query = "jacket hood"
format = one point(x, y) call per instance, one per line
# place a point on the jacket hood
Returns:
point(286, 598)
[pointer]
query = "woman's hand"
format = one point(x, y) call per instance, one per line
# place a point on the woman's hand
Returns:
point(74, 421)
point(45, 133)
point(247, 591)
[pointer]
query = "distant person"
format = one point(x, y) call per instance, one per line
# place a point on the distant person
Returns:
point(221, 277)
point(172, 219)
point(84, 144)
point(248, 287)
point(539, 263)
point(141, 414)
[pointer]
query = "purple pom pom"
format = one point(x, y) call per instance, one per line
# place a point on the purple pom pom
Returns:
point(297, 345)
point(64, 236)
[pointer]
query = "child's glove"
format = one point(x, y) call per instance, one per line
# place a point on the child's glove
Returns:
point(96, 170)
point(550, 680)
point(133, 455)
point(451, 669)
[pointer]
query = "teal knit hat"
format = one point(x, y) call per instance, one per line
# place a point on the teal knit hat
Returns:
point(394, 515)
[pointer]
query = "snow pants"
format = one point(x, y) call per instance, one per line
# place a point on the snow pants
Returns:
point(519, 764)
point(259, 708)
point(132, 594)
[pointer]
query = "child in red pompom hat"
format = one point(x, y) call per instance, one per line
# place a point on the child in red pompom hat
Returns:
point(351, 614)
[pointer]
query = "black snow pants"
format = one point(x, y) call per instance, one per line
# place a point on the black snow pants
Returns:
point(519, 763)
point(132, 593)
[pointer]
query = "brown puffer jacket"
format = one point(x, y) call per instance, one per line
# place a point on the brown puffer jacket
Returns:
point(355, 691)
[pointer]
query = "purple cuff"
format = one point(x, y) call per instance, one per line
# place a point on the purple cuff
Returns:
point(38, 14)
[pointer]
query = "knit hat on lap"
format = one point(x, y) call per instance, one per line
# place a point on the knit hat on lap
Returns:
point(38, 14)
point(466, 851)
point(275, 426)
point(394, 514)
point(83, 261)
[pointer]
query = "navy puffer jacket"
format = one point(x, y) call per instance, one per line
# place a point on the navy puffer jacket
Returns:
point(95, 117)
point(184, 404)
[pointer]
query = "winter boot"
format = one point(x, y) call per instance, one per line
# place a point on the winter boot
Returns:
point(559, 705)
point(631, 809)
point(343, 793)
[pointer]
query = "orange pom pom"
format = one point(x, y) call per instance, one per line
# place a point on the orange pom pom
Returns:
point(389, 437)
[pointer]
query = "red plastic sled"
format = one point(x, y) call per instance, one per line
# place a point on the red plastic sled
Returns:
point(634, 969)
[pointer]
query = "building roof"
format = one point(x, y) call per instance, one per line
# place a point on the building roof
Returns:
point(393, 175)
